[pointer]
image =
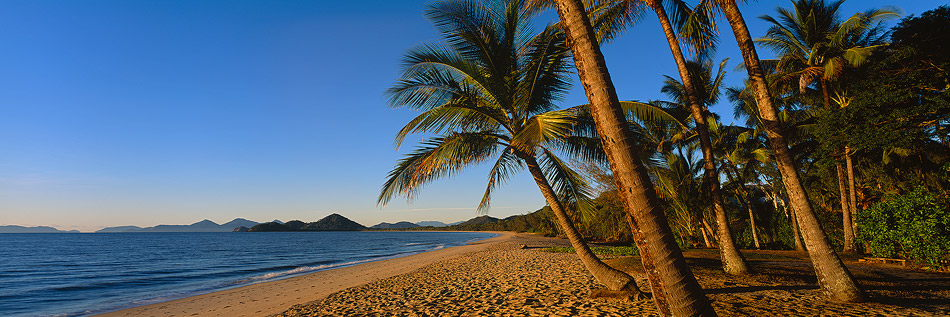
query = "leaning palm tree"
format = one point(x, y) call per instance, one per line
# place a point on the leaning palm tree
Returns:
point(700, 85)
point(833, 277)
point(814, 47)
point(636, 190)
point(490, 92)
point(613, 16)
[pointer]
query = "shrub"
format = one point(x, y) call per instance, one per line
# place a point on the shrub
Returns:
point(915, 226)
point(613, 251)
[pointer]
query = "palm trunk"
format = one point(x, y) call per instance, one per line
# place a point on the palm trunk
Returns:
point(706, 241)
point(742, 195)
point(797, 231)
point(633, 183)
point(847, 228)
point(612, 278)
point(845, 210)
point(833, 277)
point(653, 276)
point(732, 260)
point(710, 231)
point(853, 193)
point(755, 232)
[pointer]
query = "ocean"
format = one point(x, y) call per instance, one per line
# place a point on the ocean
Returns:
point(91, 273)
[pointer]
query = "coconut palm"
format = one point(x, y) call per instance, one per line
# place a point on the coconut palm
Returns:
point(740, 153)
point(814, 47)
point(833, 277)
point(701, 85)
point(697, 36)
point(489, 92)
point(640, 200)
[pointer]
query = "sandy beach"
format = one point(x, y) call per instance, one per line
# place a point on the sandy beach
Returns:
point(496, 277)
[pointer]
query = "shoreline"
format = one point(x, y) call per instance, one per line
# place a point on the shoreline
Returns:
point(274, 297)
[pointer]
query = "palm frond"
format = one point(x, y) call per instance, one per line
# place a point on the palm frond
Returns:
point(437, 158)
point(506, 165)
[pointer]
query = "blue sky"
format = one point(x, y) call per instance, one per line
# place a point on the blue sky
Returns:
point(146, 112)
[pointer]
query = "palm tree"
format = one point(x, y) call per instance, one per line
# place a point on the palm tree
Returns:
point(815, 47)
point(700, 86)
point(683, 291)
point(614, 15)
point(795, 123)
point(833, 277)
point(679, 183)
point(740, 155)
point(491, 91)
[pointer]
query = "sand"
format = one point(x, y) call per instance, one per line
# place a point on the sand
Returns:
point(496, 277)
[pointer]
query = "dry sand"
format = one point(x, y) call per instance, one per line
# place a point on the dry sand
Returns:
point(497, 278)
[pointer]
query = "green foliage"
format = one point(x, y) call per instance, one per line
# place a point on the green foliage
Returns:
point(610, 251)
point(914, 226)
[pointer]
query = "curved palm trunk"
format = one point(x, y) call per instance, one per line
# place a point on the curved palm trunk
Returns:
point(732, 260)
point(633, 183)
point(833, 277)
point(612, 278)
point(845, 210)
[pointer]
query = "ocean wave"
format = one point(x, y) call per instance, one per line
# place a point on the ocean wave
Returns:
point(295, 271)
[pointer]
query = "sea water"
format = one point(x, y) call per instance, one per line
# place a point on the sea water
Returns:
point(91, 273)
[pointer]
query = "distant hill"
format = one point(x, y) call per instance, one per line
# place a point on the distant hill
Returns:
point(201, 226)
point(477, 221)
point(398, 225)
point(40, 229)
point(432, 224)
point(119, 229)
point(538, 222)
point(332, 222)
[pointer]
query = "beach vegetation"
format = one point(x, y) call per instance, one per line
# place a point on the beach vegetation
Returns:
point(599, 250)
point(913, 226)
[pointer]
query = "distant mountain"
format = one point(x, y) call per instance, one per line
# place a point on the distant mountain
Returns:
point(40, 229)
point(239, 222)
point(477, 221)
point(119, 229)
point(398, 225)
point(431, 224)
point(201, 226)
point(332, 222)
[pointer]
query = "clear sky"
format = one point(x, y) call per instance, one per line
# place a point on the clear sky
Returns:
point(118, 112)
